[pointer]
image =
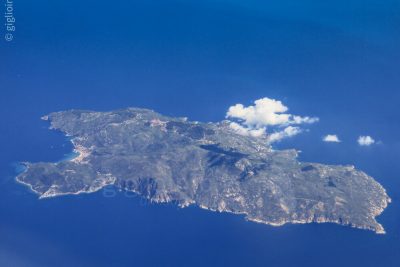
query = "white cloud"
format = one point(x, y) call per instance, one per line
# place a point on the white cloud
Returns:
point(301, 120)
point(246, 131)
point(365, 140)
point(253, 120)
point(287, 132)
point(331, 138)
point(266, 112)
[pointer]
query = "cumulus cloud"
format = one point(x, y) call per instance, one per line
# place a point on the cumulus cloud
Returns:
point(287, 132)
point(246, 131)
point(266, 112)
point(301, 120)
point(254, 120)
point(331, 138)
point(365, 140)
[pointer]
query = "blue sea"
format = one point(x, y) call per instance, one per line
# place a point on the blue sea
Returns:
point(337, 60)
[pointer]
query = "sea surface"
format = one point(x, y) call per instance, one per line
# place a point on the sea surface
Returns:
point(337, 60)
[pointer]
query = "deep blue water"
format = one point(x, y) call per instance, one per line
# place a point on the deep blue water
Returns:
point(337, 60)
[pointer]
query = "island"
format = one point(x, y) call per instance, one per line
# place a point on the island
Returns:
point(165, 159)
